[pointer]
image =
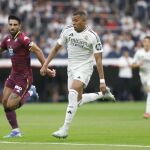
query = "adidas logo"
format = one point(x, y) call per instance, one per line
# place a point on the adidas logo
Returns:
point(71, 34)
point(69, 112)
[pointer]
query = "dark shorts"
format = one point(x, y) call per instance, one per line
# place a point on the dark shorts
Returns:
point(20, 83)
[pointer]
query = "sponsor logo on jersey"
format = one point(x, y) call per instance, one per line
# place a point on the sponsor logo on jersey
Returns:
point(11, 51)
point(79, 43)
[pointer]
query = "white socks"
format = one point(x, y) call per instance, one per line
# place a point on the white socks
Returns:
point(148, 103)
point(71, 109)
point(73, 104)
point(30, 92)
point(89, 98)
point(16, 129)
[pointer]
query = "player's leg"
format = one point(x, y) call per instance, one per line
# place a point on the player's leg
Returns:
point(31, 95)
point(75, 93)
point(15, 100)
point(10, 114)
point(147, 113)
point(89, 97)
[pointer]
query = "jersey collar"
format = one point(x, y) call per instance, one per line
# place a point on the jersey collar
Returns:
point(16, 35)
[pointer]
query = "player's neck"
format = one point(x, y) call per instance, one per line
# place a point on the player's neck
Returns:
point(81, 29)
point(15, 35)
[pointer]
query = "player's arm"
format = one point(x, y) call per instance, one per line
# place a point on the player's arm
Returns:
point(136, 65)
point(38, 52)
point(34, 48)
point(98, 59)
point(51, 55)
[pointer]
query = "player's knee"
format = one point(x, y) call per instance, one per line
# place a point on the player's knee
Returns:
point(7, 109)
point(11, 106)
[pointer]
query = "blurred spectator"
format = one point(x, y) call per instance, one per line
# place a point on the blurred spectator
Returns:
point(121, 24)
point(125, 77)
point(112, 18)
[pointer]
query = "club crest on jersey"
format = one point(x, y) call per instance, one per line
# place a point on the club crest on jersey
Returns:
point(11, 51)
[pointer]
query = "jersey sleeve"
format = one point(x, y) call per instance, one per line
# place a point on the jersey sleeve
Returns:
point(96, 44)
point(26, 41)
point(62, 39)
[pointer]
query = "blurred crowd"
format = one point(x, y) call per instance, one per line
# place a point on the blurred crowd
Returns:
point(121, 24)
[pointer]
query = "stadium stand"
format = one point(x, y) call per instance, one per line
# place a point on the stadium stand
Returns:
point(121, 24)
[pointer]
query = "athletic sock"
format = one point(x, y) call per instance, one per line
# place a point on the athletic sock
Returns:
point(71, 109)
point(11, 117)
point(16, 129)
point(148, 103)
point(89, 97)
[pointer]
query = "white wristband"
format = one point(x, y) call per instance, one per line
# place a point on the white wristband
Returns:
point(102, 80)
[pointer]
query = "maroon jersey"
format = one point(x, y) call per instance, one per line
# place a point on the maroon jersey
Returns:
point(19, 52)
point(20, 78)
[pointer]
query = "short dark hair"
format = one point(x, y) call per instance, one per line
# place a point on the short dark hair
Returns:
point(147, 37)
point(80, 13)
point(14, 18)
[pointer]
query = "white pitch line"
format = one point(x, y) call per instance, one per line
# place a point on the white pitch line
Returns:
point(75, 144)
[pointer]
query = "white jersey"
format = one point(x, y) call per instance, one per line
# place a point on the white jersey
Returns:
point(125, 70)
point(144, 57)
point(80, 46)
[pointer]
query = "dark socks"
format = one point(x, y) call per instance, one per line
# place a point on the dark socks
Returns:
point(11, 114)
point(11, 117)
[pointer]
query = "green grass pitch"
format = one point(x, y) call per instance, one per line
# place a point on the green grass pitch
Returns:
point(96, 126)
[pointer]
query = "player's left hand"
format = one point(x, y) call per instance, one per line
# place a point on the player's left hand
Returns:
point(102, 87)
point(51, 72)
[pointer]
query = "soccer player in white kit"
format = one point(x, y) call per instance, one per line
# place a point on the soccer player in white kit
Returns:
point(82, 44)
point(142, 60)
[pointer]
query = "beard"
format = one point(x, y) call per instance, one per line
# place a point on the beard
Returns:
point(13, 32)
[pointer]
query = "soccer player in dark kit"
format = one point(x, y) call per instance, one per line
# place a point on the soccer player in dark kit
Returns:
point(17, 85)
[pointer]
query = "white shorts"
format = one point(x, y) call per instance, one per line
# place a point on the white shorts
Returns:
point(145, 82)
point(82, 74)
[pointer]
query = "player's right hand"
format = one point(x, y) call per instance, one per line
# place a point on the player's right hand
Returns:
point(43, 70)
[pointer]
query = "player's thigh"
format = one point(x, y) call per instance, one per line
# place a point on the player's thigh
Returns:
point(6, 93)
point(82, 74)
point(13, 101)
point(146, 83)
point(78, 79)
point(21, 87)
